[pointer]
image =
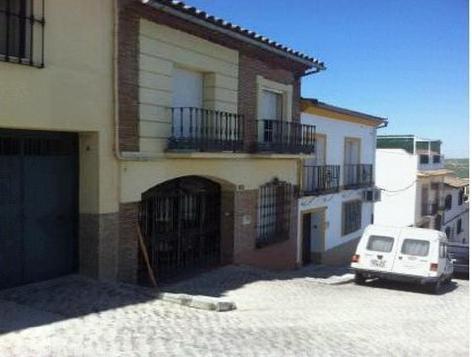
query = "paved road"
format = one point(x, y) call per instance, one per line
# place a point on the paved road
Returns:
point(289, 314)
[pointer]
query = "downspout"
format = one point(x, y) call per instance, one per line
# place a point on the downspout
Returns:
point(116, 108)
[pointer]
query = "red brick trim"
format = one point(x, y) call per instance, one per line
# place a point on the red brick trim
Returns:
point(253, 61)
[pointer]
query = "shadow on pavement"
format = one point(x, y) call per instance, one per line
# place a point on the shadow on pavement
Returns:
point(63, 298)
point(74, 295)
point(218, 282)
point(409, 287)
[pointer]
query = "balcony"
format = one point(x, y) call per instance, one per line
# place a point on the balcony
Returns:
point(205, 130)
point(429, 209)
point(357, 176)
point(285, 137)
point(320, 179)
point(430, 161)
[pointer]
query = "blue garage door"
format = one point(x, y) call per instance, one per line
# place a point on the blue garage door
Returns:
point(38, 206)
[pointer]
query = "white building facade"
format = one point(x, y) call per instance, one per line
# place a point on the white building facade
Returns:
point(416, 189)
point(337, 185)
point(456, 209)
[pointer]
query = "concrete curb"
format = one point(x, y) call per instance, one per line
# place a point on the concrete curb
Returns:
point(198, 302)
point(338, 280)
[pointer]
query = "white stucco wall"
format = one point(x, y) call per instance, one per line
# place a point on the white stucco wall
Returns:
point(452, 216)
point(336, 131)
point(333, 204)
point(395, 170)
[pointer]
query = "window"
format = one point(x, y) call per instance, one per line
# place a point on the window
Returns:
point(424, 159)
point(448, 232)
point(320, 153)
point(352, 151)
point(459, 226)
point(419, 248)
point(380, 244)
point(461, 197)
point(442, 250)
point(352, 216)
point(272, 115)
point(273, 213)
point(22, 31)
point(448, 202)
point(436, 159)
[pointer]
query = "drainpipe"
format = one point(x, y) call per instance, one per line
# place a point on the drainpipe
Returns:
point(116, 9)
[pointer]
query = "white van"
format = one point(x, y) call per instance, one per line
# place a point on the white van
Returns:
point(403, 254)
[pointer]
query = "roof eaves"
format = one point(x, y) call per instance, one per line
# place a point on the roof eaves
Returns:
point(334, 108)
point(193, 14)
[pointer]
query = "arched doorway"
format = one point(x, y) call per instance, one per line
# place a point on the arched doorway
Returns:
point(180, 221)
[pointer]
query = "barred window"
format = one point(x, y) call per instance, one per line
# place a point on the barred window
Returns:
point(273, 212)
point(22, 31)
point(352, 216)
point(424, 159)
point(448, 202)
point(459, 226)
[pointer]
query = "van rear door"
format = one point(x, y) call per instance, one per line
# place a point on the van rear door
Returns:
point(380, 248)
point(414, 252)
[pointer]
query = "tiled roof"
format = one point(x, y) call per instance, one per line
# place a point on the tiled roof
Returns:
point(334, 108)
point(202, 15)
point(439, 172)
point(457, 182)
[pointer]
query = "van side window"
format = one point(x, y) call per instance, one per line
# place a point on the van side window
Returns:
point(416, 247)
point(380, 244)
point(442, 250)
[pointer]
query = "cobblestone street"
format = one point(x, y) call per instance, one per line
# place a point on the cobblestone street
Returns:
point(278, 314)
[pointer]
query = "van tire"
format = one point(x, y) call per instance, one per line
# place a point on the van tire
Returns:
point(435, 288)
point(359, 279)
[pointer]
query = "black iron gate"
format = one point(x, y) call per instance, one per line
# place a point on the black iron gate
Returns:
point(180, 222)
point(38, 206)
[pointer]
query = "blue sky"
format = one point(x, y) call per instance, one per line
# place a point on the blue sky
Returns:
point(402, 59)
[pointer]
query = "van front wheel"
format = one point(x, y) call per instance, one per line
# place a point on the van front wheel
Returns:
point(359, 279)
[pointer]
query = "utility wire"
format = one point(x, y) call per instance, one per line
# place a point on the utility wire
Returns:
point(399, 190)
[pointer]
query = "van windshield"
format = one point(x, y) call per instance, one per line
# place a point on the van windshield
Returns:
point(416, 247)
point(380, 244)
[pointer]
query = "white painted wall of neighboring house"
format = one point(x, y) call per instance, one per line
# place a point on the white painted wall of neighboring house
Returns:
point(333, 204)
point(452, 216)
point(336, 131)
point(396, 170)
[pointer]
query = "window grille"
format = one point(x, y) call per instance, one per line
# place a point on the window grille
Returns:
point(424, 159)
point(459, 226)
point(22, 32)
point(448, 202)
point(352, 216)
point(461, 197)
point(274, 208)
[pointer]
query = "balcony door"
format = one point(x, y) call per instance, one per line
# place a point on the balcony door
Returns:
point(352, 153)
point(187, 101)
point(272, 109)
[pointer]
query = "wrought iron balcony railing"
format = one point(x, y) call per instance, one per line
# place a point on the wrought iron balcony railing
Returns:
point(205, 130)
point(320, 179)
point(357, 176)
point(430, 209)
point(285, 137)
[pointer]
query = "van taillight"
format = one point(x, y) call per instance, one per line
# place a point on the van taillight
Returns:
point(433, 267)
point(355, 258)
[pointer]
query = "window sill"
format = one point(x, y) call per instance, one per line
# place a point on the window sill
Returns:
point(272, 241)
point(18, 60)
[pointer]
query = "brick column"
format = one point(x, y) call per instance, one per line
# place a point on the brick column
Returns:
point(128, 243)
